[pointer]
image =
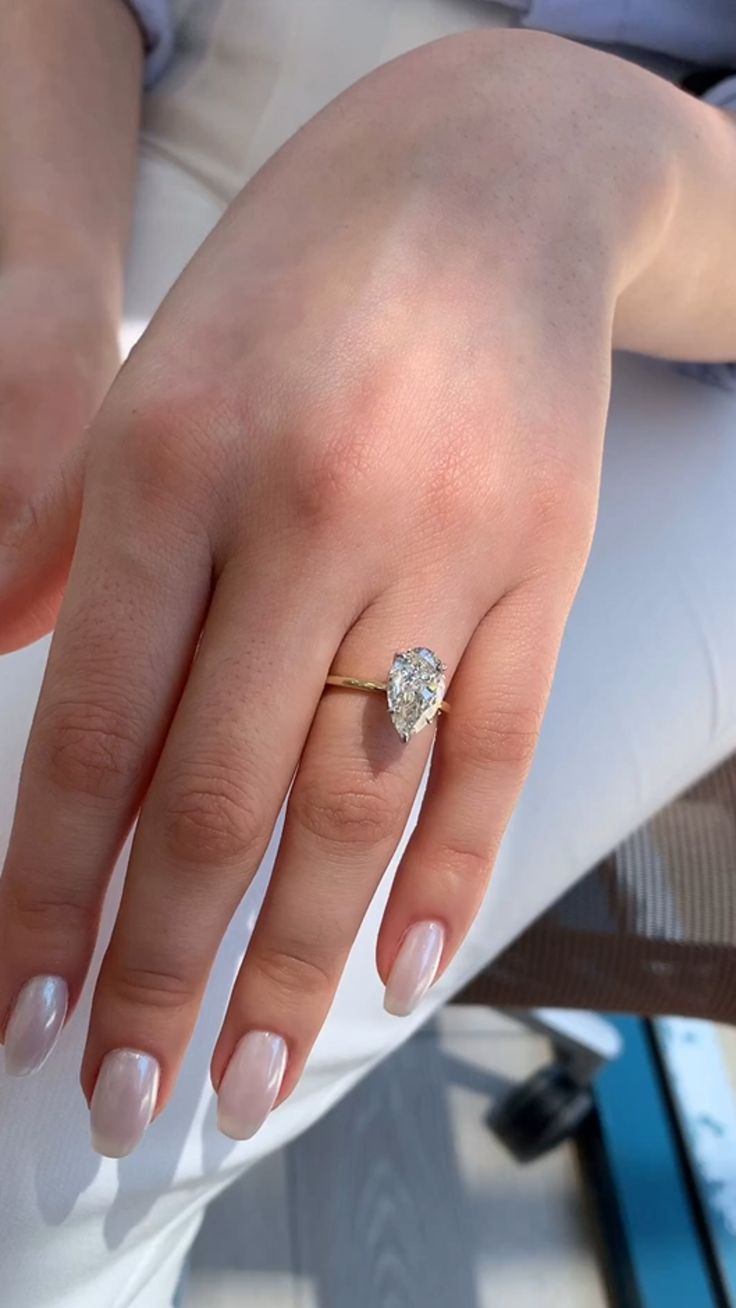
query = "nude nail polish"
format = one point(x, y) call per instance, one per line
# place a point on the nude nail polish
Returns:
point(123, 1102)
point(415, 968)
point(34, 1024)
point(250, 1086)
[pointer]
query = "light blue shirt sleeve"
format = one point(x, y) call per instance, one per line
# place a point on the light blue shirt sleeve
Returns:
point(157, 25)
point(700, 31)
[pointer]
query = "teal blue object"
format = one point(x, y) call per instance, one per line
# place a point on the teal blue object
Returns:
point(668, 1263)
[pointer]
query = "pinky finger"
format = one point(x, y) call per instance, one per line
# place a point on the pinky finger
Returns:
point(482, 754)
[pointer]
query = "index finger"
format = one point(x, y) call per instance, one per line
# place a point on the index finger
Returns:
point(126, 636)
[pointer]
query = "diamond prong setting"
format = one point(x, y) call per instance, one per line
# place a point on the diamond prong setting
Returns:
point(415, 689)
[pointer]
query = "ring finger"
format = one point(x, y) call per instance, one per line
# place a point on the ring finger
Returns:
point(352, 796)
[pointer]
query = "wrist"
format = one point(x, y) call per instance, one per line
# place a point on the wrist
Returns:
point(563, 159)
point(691, 266)
point(617, 178)
point(65, 315)
point(70, 83)
point(73, 263)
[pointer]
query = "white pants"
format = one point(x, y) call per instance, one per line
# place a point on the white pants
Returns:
point(644, 699)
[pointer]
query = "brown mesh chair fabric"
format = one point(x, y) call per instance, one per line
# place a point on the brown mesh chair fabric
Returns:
point(650, 930)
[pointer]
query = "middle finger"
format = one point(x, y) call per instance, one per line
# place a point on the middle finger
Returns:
point(204, 826)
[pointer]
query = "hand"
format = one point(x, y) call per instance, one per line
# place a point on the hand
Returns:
point(58, 354)
point(369, 416)
point(70, 86)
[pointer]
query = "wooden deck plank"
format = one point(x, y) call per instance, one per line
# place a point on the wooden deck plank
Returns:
point(401, 1198)
point(243, 1256)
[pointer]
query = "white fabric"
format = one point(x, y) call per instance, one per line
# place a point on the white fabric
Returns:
point(700, 31)
point(644, 699)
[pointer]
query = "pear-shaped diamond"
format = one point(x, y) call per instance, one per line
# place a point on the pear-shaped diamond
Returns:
point(415, 690)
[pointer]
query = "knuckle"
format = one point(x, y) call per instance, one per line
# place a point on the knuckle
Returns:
point(166, 453)
point(337, 481)
point(87, 749)
point(293, 972)
point(37, 913)
point(151, 987)
point(213, 821)
point(548, 497)
point(148, 448)
point(500, 737)
point(468, 867)
point(349, 810)
point(561, 508)
point(459, 495)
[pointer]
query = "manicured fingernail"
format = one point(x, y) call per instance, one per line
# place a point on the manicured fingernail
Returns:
point(251, 1083)
point(415, 968)
point(123, 1101)
point(34, 1024)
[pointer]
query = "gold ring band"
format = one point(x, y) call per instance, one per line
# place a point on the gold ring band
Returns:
point(358, 683)
point(414, 689)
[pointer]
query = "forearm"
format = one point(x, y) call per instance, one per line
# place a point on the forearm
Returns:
point(70, 87)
